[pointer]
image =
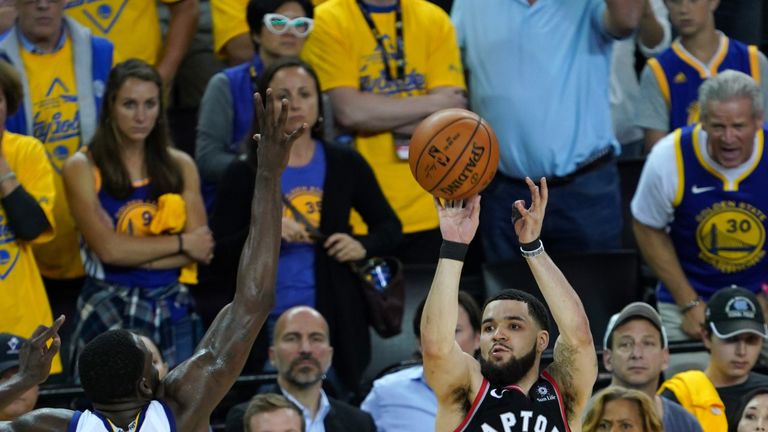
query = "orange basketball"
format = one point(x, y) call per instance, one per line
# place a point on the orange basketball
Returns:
point(453, 154)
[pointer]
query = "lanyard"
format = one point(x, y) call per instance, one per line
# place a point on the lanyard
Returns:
point(400, 53)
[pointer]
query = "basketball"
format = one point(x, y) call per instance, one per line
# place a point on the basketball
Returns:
point(453, 154)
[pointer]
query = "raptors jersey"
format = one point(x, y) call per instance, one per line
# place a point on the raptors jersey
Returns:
point(509, 409)
point(155, 417)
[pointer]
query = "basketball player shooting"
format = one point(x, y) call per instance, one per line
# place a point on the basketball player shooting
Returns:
point(116, 368)
point(504, 390)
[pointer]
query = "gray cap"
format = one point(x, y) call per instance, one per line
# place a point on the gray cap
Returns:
point(635, 310)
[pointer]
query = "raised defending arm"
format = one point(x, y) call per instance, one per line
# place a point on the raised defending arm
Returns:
point(197, 386)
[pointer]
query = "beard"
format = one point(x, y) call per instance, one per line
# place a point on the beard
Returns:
point(302, 379)
point(509, 372)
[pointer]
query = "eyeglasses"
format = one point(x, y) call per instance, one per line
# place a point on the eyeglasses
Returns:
point(280, 24)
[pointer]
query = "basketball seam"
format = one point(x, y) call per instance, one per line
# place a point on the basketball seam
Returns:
point(487, 162)
point(458, 157)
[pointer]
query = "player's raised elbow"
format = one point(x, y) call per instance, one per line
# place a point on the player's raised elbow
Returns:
point(433, 346)
point(579, 334)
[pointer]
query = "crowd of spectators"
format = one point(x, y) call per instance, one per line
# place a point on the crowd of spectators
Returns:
point(108, 221)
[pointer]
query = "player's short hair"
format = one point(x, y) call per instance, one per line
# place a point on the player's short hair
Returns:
point(729, 85)
point(10, 85)
point(111, 366)
point(465, 300)
point(256, 9)
point(535, 307)
point(269, 402)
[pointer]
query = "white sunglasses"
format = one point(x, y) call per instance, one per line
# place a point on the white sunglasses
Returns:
point(280, 24)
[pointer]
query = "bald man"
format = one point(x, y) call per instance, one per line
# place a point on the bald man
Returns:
point(301, 352)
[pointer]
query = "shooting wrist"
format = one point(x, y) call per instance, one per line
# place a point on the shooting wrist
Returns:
point(532, 249)
point(453, 250)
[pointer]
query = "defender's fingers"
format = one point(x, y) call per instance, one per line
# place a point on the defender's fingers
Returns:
point(297, 133)
point(270, 118)
point(259, 111)
point(42, 333)
point(282, 119)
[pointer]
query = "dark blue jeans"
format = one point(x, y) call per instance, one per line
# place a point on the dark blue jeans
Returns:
point(582, 215)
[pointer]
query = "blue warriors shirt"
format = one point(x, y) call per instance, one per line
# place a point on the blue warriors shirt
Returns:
point(679, 76)
point(719, 226)
point(510, 409)
point(303, 187)
point(131, 216)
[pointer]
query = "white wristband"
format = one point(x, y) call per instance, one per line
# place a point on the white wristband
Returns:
point(534, 253)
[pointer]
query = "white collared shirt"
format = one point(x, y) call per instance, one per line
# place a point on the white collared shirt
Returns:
point(317, 424)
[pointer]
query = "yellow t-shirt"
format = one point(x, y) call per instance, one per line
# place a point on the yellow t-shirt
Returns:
point(23, 303)
point(53, 91)
point(344, 53)
point(132, 26)
point(229, 20)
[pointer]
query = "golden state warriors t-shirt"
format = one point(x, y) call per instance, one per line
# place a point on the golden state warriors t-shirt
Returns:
point(133, 26)
point(56, 123)
point(344, 53)
point(303, 187)
point(23, 302)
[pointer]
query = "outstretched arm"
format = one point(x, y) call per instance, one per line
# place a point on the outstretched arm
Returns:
point(35, 359)
point(575, 361)
point(222, 353)
point(447, 369)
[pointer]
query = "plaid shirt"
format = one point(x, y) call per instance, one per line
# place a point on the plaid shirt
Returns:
point(165, 314)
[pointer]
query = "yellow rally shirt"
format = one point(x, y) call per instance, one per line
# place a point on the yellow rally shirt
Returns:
point(132, 26)
point(23, 302)
point(344, 52)
point(56, 124)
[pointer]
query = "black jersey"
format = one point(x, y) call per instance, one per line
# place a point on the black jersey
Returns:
point(509, 409)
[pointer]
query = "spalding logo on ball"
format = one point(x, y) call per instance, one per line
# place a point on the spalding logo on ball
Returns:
point(453, 154)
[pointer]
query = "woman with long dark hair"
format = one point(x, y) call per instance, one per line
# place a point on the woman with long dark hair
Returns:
point(137, 203)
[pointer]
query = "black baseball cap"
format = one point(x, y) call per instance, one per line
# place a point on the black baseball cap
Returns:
point(10, 346)
point(633, 311)
point(734, 310)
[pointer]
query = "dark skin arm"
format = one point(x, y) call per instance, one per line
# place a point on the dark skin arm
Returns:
point(35, 359)
point(196, 387)
point(34, 366)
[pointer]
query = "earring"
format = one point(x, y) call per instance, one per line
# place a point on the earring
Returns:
point(320, 119)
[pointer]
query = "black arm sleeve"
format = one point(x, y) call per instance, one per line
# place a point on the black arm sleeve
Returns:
point(25, 217)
